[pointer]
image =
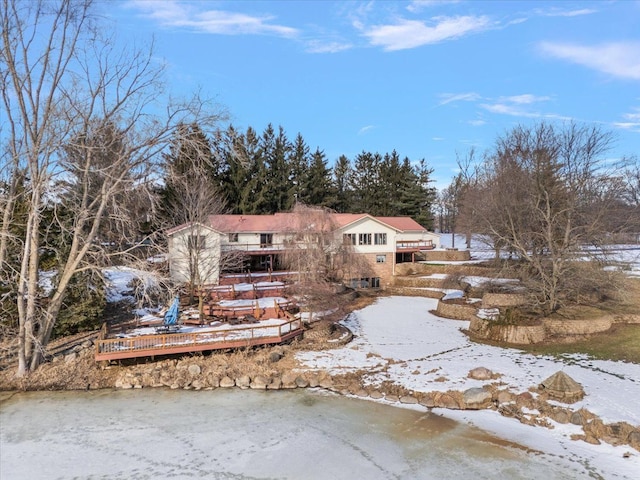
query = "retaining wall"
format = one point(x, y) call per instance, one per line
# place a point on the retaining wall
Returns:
point(514, 334)
point(492, 300)
point(455, 311)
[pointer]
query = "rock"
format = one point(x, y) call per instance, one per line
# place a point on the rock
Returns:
point(509, 410)
point(260, 382)
point(562, 387)
point(174, 386)
point(197, 384)
point(243, 381)
point(591, 439)
point(427, 401)
point(314, 380)
point(480, 373)
point(70, 357)
point(391, 398)
point(275, 357)
point(633, 439)
point(289, 380)
point(376, 395)
point(408, 400)
point(326, 383)
point(504, 396)
point(227, 382)
point(194, 370)
point(276, 384)
point(301, 382)
point(560, 416)
point(576, 418)
point(213, 381)
point(361, 393)
point(87, 344)
point(476, 398)
point(447, 401)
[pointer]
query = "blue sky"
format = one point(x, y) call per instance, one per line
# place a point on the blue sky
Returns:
point(430, 79)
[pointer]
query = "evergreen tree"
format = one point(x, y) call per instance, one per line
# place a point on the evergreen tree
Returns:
point(342, 184)
point(253, 192)
point(319, 188)
point(365, 182)
point(277, 186)
point(299, 164)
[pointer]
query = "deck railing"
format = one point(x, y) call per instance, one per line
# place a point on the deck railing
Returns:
point(165, 344)
point(414, 245)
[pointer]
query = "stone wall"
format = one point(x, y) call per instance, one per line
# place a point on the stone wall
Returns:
point(577, 327)
point(455, 311)
point(447, 255)
point(492, 300)
point(514, 334)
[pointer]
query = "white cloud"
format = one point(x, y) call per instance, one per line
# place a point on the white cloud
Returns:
point(318, 46)
point(508, 109)
point(555, 12)
point(634, 117)
point(405, 34)
point(477, 123)
point(366, 129)
point(516, 105)
point(458, 97)
point(525, 99)
point(173, 14)
point(417, 5)
point(437, 139)
point(621, 59)
point(630, 126)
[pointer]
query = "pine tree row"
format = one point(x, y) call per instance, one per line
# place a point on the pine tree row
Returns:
point(268, 173)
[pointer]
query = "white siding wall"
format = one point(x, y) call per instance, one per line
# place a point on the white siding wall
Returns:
point(371, 226)
point(209, 257)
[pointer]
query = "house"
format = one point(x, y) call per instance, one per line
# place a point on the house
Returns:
point(199, 252)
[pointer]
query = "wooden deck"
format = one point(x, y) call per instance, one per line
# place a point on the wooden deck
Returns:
point(176, 343)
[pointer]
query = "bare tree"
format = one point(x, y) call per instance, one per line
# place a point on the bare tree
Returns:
point(64, 84)
point(545, 193)
point(316, 251)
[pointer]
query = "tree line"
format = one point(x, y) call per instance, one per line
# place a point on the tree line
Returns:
point(267, 173)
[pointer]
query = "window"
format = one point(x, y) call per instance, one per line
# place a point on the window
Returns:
point(197, 242)
point(364, 239)
point(233, 237)
point(266, 240)
point(380, 239)
point(349, 238)
point(381, 258)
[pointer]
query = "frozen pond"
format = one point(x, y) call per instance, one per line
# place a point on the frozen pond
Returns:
point(235, 434)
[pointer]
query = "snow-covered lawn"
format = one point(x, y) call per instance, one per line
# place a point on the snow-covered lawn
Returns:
point(397, 339)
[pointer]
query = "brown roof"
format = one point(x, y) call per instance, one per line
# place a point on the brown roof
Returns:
point(282, 222)
point(404, 224)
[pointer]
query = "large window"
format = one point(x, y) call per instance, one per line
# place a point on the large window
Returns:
point(349, 238)
point(381, 258)
point(380, 239)
point(364, 239)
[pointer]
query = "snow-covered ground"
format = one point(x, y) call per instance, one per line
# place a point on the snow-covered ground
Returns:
point(397, 339)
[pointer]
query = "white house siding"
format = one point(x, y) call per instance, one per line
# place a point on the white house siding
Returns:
point(370, 226)
point(209, 257)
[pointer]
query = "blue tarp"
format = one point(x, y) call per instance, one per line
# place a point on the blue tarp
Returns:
point(171, 317)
